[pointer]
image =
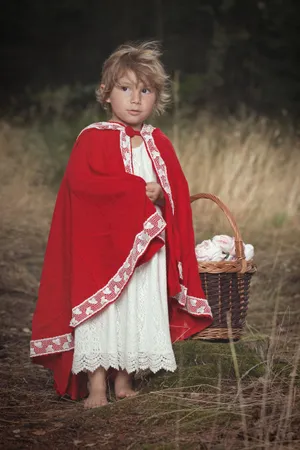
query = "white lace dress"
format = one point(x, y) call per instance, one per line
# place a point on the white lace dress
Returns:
point(133, 332)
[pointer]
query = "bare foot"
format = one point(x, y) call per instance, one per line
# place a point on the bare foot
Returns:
point(97, 389)
point(123, 385)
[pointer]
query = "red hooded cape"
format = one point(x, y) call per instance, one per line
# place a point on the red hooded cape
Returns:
point(103, 227)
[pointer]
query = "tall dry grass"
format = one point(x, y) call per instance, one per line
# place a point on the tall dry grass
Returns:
point(252, 164)
point(254, 413)
point(26, 206)
point(255, 405)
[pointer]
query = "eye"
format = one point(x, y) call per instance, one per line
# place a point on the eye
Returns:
point(146, 91)
point(124, 88)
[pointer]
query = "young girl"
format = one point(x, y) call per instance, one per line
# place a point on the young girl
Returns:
point(120, 281)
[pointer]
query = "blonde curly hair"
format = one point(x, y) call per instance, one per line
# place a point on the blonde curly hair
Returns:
point(144, 60)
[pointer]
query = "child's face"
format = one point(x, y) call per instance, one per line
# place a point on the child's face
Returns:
point(131, 101)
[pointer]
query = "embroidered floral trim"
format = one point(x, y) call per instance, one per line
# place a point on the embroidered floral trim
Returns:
point(193, 305)
point(103, 126)
point(180, 270)
point(55, 344)
point(161, 169)
point(153, 226)
point(182, 295)
point(125, 146)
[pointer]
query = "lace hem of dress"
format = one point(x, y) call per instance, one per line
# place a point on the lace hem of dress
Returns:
point(129, 362)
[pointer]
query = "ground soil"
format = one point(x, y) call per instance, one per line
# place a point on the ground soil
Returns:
point(33, 417)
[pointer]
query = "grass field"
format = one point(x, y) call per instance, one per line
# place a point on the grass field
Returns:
point(223, 396)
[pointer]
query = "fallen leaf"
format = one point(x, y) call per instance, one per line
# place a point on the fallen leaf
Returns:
point(39, 432)
point(77, 442)
point(26, 330)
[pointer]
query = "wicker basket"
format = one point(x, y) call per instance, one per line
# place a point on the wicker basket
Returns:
point(226, 285)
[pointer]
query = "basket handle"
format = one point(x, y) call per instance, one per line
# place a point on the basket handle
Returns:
point(239, 248)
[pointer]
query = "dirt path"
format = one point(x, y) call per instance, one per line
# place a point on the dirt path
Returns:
point(32, 417)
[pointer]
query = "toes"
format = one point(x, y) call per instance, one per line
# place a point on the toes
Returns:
point(122, 394)
point(95, 402)
point(125, 394)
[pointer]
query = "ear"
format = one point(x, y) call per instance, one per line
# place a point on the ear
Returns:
point(102, 88)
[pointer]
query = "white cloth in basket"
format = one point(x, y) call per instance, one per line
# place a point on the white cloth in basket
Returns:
point(221, 248)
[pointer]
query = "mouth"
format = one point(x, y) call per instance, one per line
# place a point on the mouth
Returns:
point(134, 112)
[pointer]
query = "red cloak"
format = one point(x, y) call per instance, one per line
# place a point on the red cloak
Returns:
point(103, 227)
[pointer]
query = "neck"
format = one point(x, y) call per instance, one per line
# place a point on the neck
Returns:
point(137, 127)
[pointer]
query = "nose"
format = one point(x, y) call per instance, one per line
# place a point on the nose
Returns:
point(136, 96)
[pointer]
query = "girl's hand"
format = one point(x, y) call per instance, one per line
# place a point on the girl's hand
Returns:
point(154, 192)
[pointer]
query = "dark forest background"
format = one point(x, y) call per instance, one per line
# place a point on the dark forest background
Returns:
point(226, 52)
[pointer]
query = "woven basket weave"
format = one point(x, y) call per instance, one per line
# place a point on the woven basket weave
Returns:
point(226, 285)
